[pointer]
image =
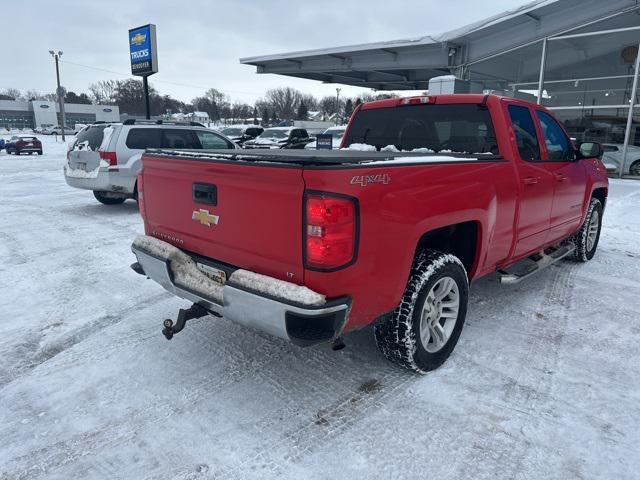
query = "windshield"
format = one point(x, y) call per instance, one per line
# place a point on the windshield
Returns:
point(272, 133)
point(92, 135)
point(463, 128)
point(232, 132)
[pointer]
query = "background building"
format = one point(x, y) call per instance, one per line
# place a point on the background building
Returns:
point(15, 114)
point(577, 57)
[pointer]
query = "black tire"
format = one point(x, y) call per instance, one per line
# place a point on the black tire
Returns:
point(108, 198)
point(634, 169)
point(585, 249)
point(398, 335)
point(39, 152)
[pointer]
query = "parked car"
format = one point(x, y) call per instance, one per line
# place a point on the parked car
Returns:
point(280, 137)
point(613, 158)
point(240, 134)
point(336, 132)
point(2, 142)
point(44, 129)
point(105, 158)
point(310, 245)
point(23, 144)
point(58, 131)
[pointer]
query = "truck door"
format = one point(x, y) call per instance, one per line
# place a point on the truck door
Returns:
point(569, 175)
point(536, 183)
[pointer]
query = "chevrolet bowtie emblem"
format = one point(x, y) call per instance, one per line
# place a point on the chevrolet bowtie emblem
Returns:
point(138, 39)
point(204, 217)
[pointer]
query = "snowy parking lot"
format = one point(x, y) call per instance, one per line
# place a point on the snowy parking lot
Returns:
point(544, 382)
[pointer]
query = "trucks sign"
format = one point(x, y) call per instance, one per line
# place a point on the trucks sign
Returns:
point(143, 51)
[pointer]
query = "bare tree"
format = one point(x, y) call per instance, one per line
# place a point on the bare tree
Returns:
point(12, 94)
point(284, 101)
point(104, 92)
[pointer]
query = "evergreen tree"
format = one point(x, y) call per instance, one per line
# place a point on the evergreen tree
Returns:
point(303, 111)
point(265, 117)
point(348, 109)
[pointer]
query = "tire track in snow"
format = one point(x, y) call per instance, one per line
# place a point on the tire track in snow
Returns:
point(530, 390)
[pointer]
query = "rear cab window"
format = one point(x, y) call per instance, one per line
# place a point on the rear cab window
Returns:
point(459, 128)
point(525, 132)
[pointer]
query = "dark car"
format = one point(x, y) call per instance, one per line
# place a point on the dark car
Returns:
point(241, 134)
point(23, 144)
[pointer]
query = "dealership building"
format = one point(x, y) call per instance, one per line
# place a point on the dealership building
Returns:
point(577, 57)
point(15, 114)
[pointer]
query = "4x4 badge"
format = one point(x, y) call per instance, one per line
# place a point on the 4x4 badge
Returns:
point(364, 180)
point(204, 217)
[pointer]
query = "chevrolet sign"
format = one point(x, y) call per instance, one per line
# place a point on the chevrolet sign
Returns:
point(143, 50)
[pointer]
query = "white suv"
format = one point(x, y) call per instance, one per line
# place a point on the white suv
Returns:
point(105, 157)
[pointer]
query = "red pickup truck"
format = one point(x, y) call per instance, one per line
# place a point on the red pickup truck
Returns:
point(427, 194)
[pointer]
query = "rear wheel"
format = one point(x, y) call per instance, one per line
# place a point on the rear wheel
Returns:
point(109, 198)
point(586, 239)
point(634, 169)
point(39, 152)
point(424, 329)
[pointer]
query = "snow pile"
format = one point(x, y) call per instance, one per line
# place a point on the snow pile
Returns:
point(361, 147)
point(422, 150)
point(79, 173)
point(389, 148)
point(276, 288)
point(185, 272)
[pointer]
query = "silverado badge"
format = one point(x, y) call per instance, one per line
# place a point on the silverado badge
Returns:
point(204, 217)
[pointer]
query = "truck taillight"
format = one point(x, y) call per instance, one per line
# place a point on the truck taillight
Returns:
point(331, 231)
point(109, 157)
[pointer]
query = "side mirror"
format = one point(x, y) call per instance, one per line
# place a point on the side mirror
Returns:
point(590, 150)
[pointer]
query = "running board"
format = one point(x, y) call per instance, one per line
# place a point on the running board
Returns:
point(535, 263)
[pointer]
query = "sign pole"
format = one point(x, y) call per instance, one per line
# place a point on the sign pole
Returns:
point(145, 84)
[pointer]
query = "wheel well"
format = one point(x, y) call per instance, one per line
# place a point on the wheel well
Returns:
point(600, 194)
point(460, 239)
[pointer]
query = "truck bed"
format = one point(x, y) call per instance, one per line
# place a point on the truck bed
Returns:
point(322, 157)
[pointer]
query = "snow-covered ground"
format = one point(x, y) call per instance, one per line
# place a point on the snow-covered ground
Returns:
point(544, 383)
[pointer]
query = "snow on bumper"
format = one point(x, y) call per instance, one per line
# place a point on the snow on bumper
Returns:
point(100, 179)
point(273, 306)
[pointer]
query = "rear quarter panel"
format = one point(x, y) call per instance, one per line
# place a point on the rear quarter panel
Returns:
point(394, 216)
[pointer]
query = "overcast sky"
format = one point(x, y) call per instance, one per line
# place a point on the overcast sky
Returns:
point(200, 42)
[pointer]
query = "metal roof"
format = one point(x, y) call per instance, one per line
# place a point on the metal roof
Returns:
point(410, 63)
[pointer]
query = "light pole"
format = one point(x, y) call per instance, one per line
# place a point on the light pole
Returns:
point(337, 103)
point(59, 91)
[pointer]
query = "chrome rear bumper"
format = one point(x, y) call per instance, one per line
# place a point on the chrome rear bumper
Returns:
point(298, 323)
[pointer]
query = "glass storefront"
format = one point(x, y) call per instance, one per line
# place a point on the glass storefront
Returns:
point(12, 120)
point(587, 81)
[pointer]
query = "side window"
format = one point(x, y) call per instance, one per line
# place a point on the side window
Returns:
point(558, 145)
point(178, 138)
point(142, 138)
point(525, 131)
point(210, 140)
point(293, 135)
point(304, 134)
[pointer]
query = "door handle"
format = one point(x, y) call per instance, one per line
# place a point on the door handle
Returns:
point(531, 180)
point(560, 177)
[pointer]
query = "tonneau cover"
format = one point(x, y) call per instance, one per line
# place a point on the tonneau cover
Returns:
point(320, 157)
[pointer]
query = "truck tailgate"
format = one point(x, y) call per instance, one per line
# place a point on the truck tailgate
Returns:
point(245, 215)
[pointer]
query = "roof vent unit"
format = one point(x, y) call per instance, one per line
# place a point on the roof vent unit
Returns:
point(448, 84)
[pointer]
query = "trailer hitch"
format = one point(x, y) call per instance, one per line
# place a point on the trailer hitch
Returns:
point(195, 311)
